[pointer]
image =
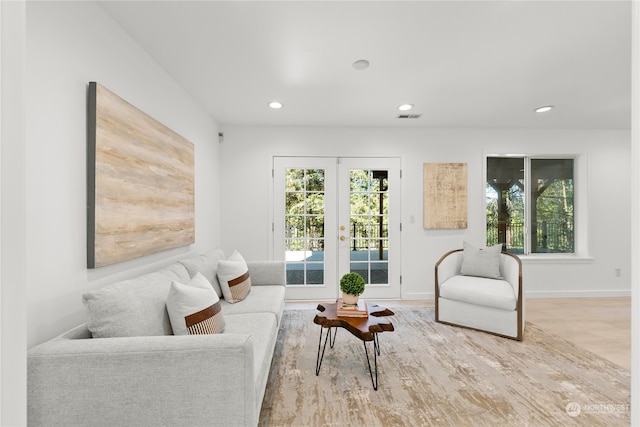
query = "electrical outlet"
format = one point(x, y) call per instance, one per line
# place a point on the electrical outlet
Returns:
point(618, 272)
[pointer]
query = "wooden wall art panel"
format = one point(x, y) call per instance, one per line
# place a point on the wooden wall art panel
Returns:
point(140, 183)
point(445, 195)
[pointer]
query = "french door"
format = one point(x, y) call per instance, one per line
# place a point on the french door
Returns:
point(337, 215)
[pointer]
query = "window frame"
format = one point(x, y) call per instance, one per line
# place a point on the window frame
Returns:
point(580, 203)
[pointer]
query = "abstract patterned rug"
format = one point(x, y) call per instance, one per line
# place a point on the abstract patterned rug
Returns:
point(432, 374)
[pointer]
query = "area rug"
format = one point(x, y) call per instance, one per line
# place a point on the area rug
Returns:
point(432, 374)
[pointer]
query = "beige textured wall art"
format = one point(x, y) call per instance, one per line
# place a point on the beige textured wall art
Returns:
point(140, 183)
point(445, 195)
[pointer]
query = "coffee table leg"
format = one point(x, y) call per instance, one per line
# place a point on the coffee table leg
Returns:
point(376, 351)
point(332, 341)
point(376, 344)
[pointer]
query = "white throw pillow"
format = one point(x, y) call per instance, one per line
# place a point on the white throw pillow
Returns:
point(481, 262)
point(194, 308)
point(234, 278)
point(206, 264)
point(134, 307)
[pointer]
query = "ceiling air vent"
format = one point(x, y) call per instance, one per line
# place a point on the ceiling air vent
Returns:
point(409, 116)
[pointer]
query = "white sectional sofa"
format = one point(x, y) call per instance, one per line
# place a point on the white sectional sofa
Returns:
point(124, 367)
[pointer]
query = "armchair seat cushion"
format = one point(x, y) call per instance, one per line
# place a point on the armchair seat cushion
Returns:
point(479, 291)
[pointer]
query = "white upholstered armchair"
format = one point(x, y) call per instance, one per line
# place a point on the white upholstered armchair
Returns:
point(466, 298)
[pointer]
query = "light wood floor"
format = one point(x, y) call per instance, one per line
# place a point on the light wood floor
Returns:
point(600, 325)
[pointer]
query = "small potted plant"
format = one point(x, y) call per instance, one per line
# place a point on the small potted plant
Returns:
point(351, 285)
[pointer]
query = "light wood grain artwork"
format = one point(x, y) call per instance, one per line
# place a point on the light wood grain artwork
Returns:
point(140, 183)
point(445, 195)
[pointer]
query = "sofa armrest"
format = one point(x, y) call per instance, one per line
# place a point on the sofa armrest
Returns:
point(267, 272)
point(162, 380)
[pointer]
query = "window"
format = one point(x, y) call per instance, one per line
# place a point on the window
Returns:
point(543, 222)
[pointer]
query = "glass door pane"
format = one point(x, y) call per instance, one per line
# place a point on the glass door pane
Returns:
point(304, 197)
point(304, 225)
point(369, 218)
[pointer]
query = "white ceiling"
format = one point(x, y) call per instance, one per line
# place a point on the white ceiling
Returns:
point(484, 64)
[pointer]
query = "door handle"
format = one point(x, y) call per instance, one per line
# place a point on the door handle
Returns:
point(342, 237)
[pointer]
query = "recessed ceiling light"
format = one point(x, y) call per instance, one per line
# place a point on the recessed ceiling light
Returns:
point(544, 109)
point(405, 107)
point(361, 64)
point(275, 105)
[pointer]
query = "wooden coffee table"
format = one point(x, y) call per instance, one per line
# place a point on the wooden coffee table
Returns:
point(364, 328)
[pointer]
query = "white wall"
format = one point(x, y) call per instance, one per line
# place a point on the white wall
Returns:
point(247, 219)
point(635, 217)
point(13, 393)
point(68, 45)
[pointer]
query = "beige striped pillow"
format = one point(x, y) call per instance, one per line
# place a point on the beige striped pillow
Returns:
point(194, 308)
point(234, 278)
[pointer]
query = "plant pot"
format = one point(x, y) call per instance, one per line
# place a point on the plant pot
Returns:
point(349, 299)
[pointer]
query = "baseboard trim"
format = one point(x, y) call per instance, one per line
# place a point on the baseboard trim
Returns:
point(609, 293)
point(418, 296)
point(579, 294)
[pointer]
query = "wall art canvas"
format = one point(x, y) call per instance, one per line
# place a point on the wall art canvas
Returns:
point(140, 183)
point(445, 195)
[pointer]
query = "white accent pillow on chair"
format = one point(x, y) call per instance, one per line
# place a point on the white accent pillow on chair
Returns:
point(481, 262)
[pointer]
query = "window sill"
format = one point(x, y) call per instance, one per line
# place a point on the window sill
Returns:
point(555, 259)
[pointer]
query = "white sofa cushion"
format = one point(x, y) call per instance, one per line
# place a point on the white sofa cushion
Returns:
point(261, 299)
point(134, 307)
point(206, 264)
point(194, 308)
point(479, 291)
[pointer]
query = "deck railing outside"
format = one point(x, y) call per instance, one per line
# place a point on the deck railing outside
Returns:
point(363, 237)
point(550, 237)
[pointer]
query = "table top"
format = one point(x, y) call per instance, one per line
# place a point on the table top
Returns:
point(364, 328)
